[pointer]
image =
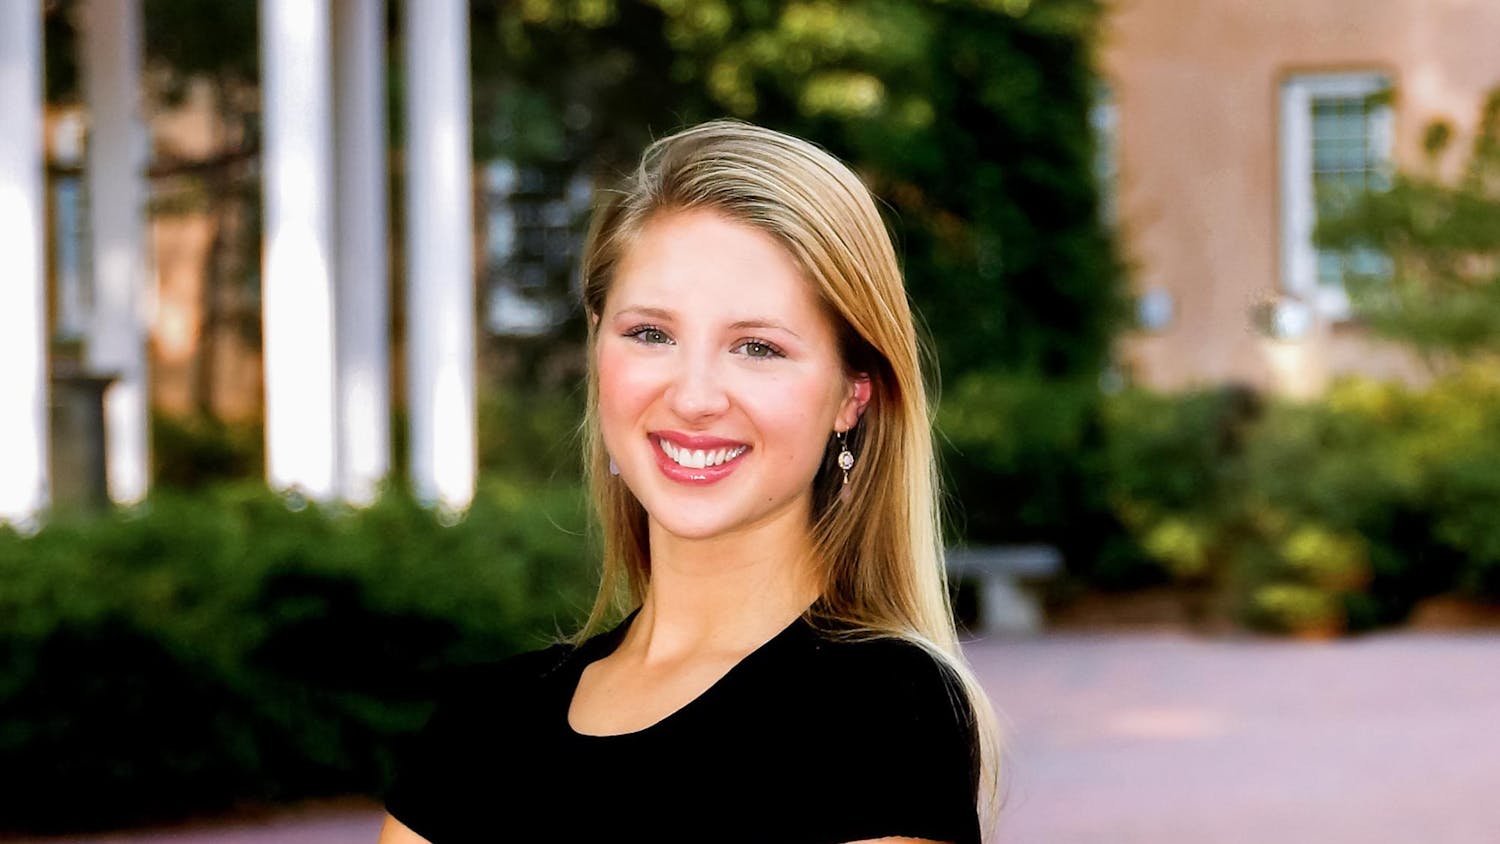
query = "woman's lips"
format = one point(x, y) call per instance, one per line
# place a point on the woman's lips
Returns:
point(695, 477)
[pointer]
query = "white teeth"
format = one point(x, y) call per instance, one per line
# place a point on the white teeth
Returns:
point(698, 458)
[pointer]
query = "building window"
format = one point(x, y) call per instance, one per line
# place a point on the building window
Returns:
point(68, 232)
point(1335, 144)
point(533, 234)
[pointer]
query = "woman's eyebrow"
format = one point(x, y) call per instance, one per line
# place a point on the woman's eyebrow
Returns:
point(641, 310)
point(740, 325)
point(763, 323)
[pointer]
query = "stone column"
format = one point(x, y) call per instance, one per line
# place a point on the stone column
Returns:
point(363, 275)
point(440, 264)
point(297, 280)
point(116, 173)
point(23, 313)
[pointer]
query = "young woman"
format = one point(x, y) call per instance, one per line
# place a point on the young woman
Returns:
point(760, 456)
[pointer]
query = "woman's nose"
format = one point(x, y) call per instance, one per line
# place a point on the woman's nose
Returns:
point(697, 389)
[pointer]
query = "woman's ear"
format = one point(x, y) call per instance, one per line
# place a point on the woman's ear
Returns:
point(854, 404)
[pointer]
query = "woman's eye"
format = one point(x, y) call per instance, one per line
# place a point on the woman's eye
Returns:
point(759, 349)
point(648, 334)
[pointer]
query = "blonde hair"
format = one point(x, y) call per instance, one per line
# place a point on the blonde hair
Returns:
point(881, 554)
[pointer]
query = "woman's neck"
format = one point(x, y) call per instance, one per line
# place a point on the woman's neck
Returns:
point(725, 595)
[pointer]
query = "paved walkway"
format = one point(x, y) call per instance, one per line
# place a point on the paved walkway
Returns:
point(1166, 739)
point(1391, 739)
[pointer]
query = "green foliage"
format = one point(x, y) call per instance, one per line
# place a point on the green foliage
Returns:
point(191, 452)
point(1171, 468)
point(1023, 462)
point(1440, 290)
point(969, 119)
point(1316, 516)
point(60, 72)
point(219, 647)
point(183, 40)
point(188, 39)
point(531, 434)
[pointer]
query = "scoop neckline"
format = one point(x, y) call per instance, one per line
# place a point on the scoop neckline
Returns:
point(607, 643)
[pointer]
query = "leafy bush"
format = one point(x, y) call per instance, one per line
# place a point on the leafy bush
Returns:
point(1316, 516)
point(1174, 478)
point(1023, 461)
point(191, 452)
point(221, 647)
point(531, 433)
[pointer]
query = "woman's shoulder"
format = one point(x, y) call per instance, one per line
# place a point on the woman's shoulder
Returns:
point(479, 691)
point(895, 716)
point(480, 684)
point(482, 712)
point(888, 681)
point(891, 662)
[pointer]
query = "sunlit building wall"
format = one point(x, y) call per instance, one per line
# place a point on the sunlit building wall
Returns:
point(1224, 115)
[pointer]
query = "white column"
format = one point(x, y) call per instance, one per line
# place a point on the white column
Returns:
point(363, 274)
point(440, 264)
point(117, 157)
point(23, 313)
point(297, 269)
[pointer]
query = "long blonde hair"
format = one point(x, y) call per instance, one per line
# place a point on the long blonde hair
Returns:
point(881, 554)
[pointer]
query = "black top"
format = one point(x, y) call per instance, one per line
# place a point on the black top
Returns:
point(805, 741)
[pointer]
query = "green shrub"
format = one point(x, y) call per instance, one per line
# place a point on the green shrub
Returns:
point(1339, 513)
point(1460, 448)
point(1022, 462)
point(205, 649)
point(531, 433)
point(1174, 477)
point(192, 452)
point(1172, 468)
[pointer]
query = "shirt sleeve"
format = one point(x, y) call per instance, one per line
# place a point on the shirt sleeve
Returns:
point(912, 754)
point(426, 795)
point(439, 790)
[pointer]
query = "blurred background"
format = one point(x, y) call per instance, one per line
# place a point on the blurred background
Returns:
point(293, 360)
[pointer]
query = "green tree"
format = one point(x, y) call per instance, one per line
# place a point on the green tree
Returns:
point(1439, 288)
point(969, 119)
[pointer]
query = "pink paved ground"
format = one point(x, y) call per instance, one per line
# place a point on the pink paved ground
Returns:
point(1166, 739)
point(1391, 739)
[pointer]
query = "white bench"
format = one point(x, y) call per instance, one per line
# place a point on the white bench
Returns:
point(998, 572)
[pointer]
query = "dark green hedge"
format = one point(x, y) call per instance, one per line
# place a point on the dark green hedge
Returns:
point(222, 647)
point(1295, 516)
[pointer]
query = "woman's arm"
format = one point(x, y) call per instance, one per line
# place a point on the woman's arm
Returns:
point(396, 832)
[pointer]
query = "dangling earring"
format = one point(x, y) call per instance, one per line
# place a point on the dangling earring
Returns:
point(846, 462)
point(614, 468)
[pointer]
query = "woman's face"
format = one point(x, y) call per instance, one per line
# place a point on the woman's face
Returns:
point(720, 380)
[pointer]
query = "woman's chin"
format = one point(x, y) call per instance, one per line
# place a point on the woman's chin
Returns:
point(688, 528)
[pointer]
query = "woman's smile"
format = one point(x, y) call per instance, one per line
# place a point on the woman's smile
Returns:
point(696, 459)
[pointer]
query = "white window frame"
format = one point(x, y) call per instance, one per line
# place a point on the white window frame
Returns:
point(1299, 257)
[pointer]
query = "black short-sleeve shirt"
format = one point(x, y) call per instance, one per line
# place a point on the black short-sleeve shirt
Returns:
point(807, 740)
